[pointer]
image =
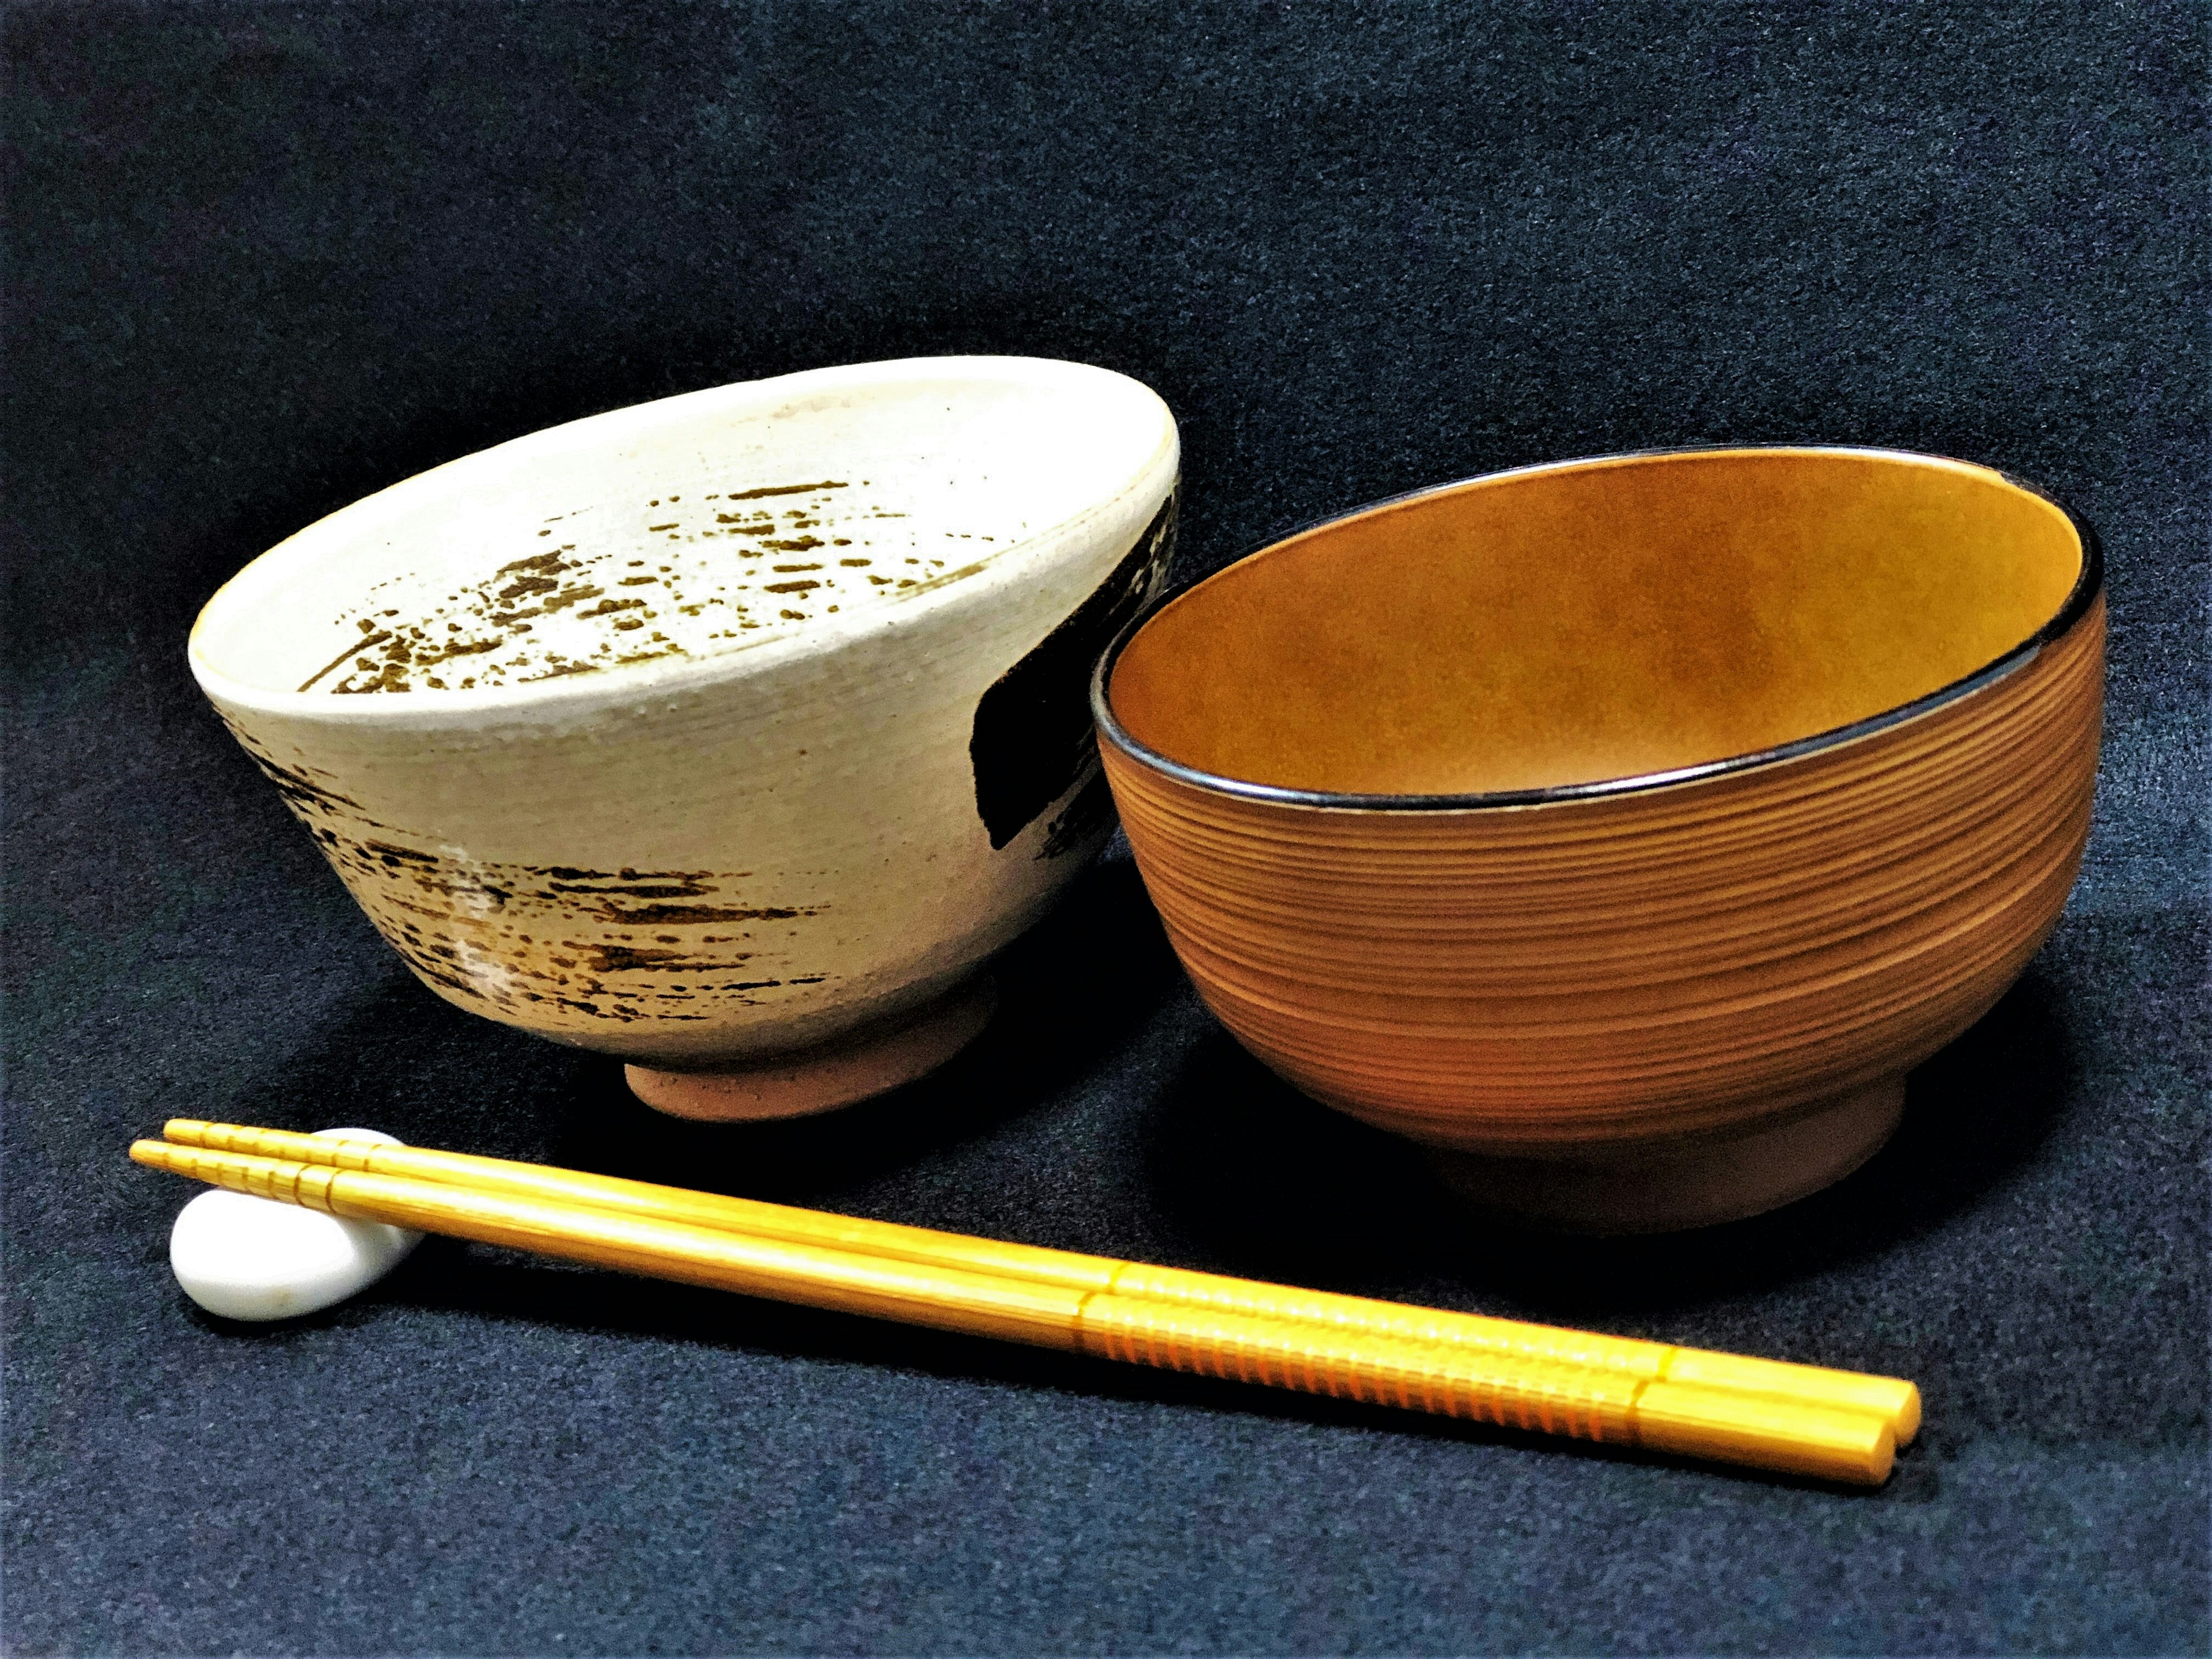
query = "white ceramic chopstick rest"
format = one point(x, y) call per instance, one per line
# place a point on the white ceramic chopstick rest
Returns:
point(253, 1258)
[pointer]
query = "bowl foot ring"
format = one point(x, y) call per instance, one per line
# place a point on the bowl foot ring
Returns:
point(1660, 1189)
point(840, 1073)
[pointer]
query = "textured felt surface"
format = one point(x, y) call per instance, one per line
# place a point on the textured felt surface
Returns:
point(264, 259)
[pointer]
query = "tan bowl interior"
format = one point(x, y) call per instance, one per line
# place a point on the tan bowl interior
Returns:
point(1603, 620)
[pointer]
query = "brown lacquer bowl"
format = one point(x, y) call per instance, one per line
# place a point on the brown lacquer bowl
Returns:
point(1623, 829)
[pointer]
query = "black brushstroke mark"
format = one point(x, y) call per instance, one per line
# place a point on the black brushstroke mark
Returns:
point(671, 914)
point(1032, 740)
point(303, 794)
point(1089, 815)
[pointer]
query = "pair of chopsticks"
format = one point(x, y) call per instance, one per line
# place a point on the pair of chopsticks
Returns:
point(1801, 1419)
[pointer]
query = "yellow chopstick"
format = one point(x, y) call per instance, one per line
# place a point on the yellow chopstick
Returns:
point(1512, 1390)
point(1893, 1399)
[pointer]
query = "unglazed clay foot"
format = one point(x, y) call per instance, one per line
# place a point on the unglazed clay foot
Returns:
point(1696, 1184)
point(822, 1079)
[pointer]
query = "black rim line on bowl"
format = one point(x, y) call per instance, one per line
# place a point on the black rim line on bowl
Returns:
point(2087, 587)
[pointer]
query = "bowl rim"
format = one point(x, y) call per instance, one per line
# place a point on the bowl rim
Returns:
point(2088, 587)
point(568, 697)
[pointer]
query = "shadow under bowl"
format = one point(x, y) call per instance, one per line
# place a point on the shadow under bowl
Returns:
point(1622, 830)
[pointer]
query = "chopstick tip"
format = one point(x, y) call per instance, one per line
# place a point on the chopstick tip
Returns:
point(1906, 1424)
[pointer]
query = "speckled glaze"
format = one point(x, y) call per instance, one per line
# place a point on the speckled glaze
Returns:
point(1623, 830)
point(723, 726)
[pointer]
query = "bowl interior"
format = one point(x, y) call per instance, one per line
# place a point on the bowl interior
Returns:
point(1597, 621)
point(685, 528)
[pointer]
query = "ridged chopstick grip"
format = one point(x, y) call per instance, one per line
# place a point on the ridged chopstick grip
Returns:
point(1512, 1391)
point(1893, 1399)
point(1544, 1395)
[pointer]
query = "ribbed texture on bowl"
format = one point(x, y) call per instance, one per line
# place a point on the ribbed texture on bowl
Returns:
point(1675, 961)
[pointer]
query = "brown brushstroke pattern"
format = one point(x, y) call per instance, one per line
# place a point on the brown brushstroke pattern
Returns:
point(704, 559)
point(521, 941)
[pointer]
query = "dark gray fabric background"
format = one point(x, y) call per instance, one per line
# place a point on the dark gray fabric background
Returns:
point(264, 259)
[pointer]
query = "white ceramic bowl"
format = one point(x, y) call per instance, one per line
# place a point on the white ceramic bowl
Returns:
point(723, 727)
